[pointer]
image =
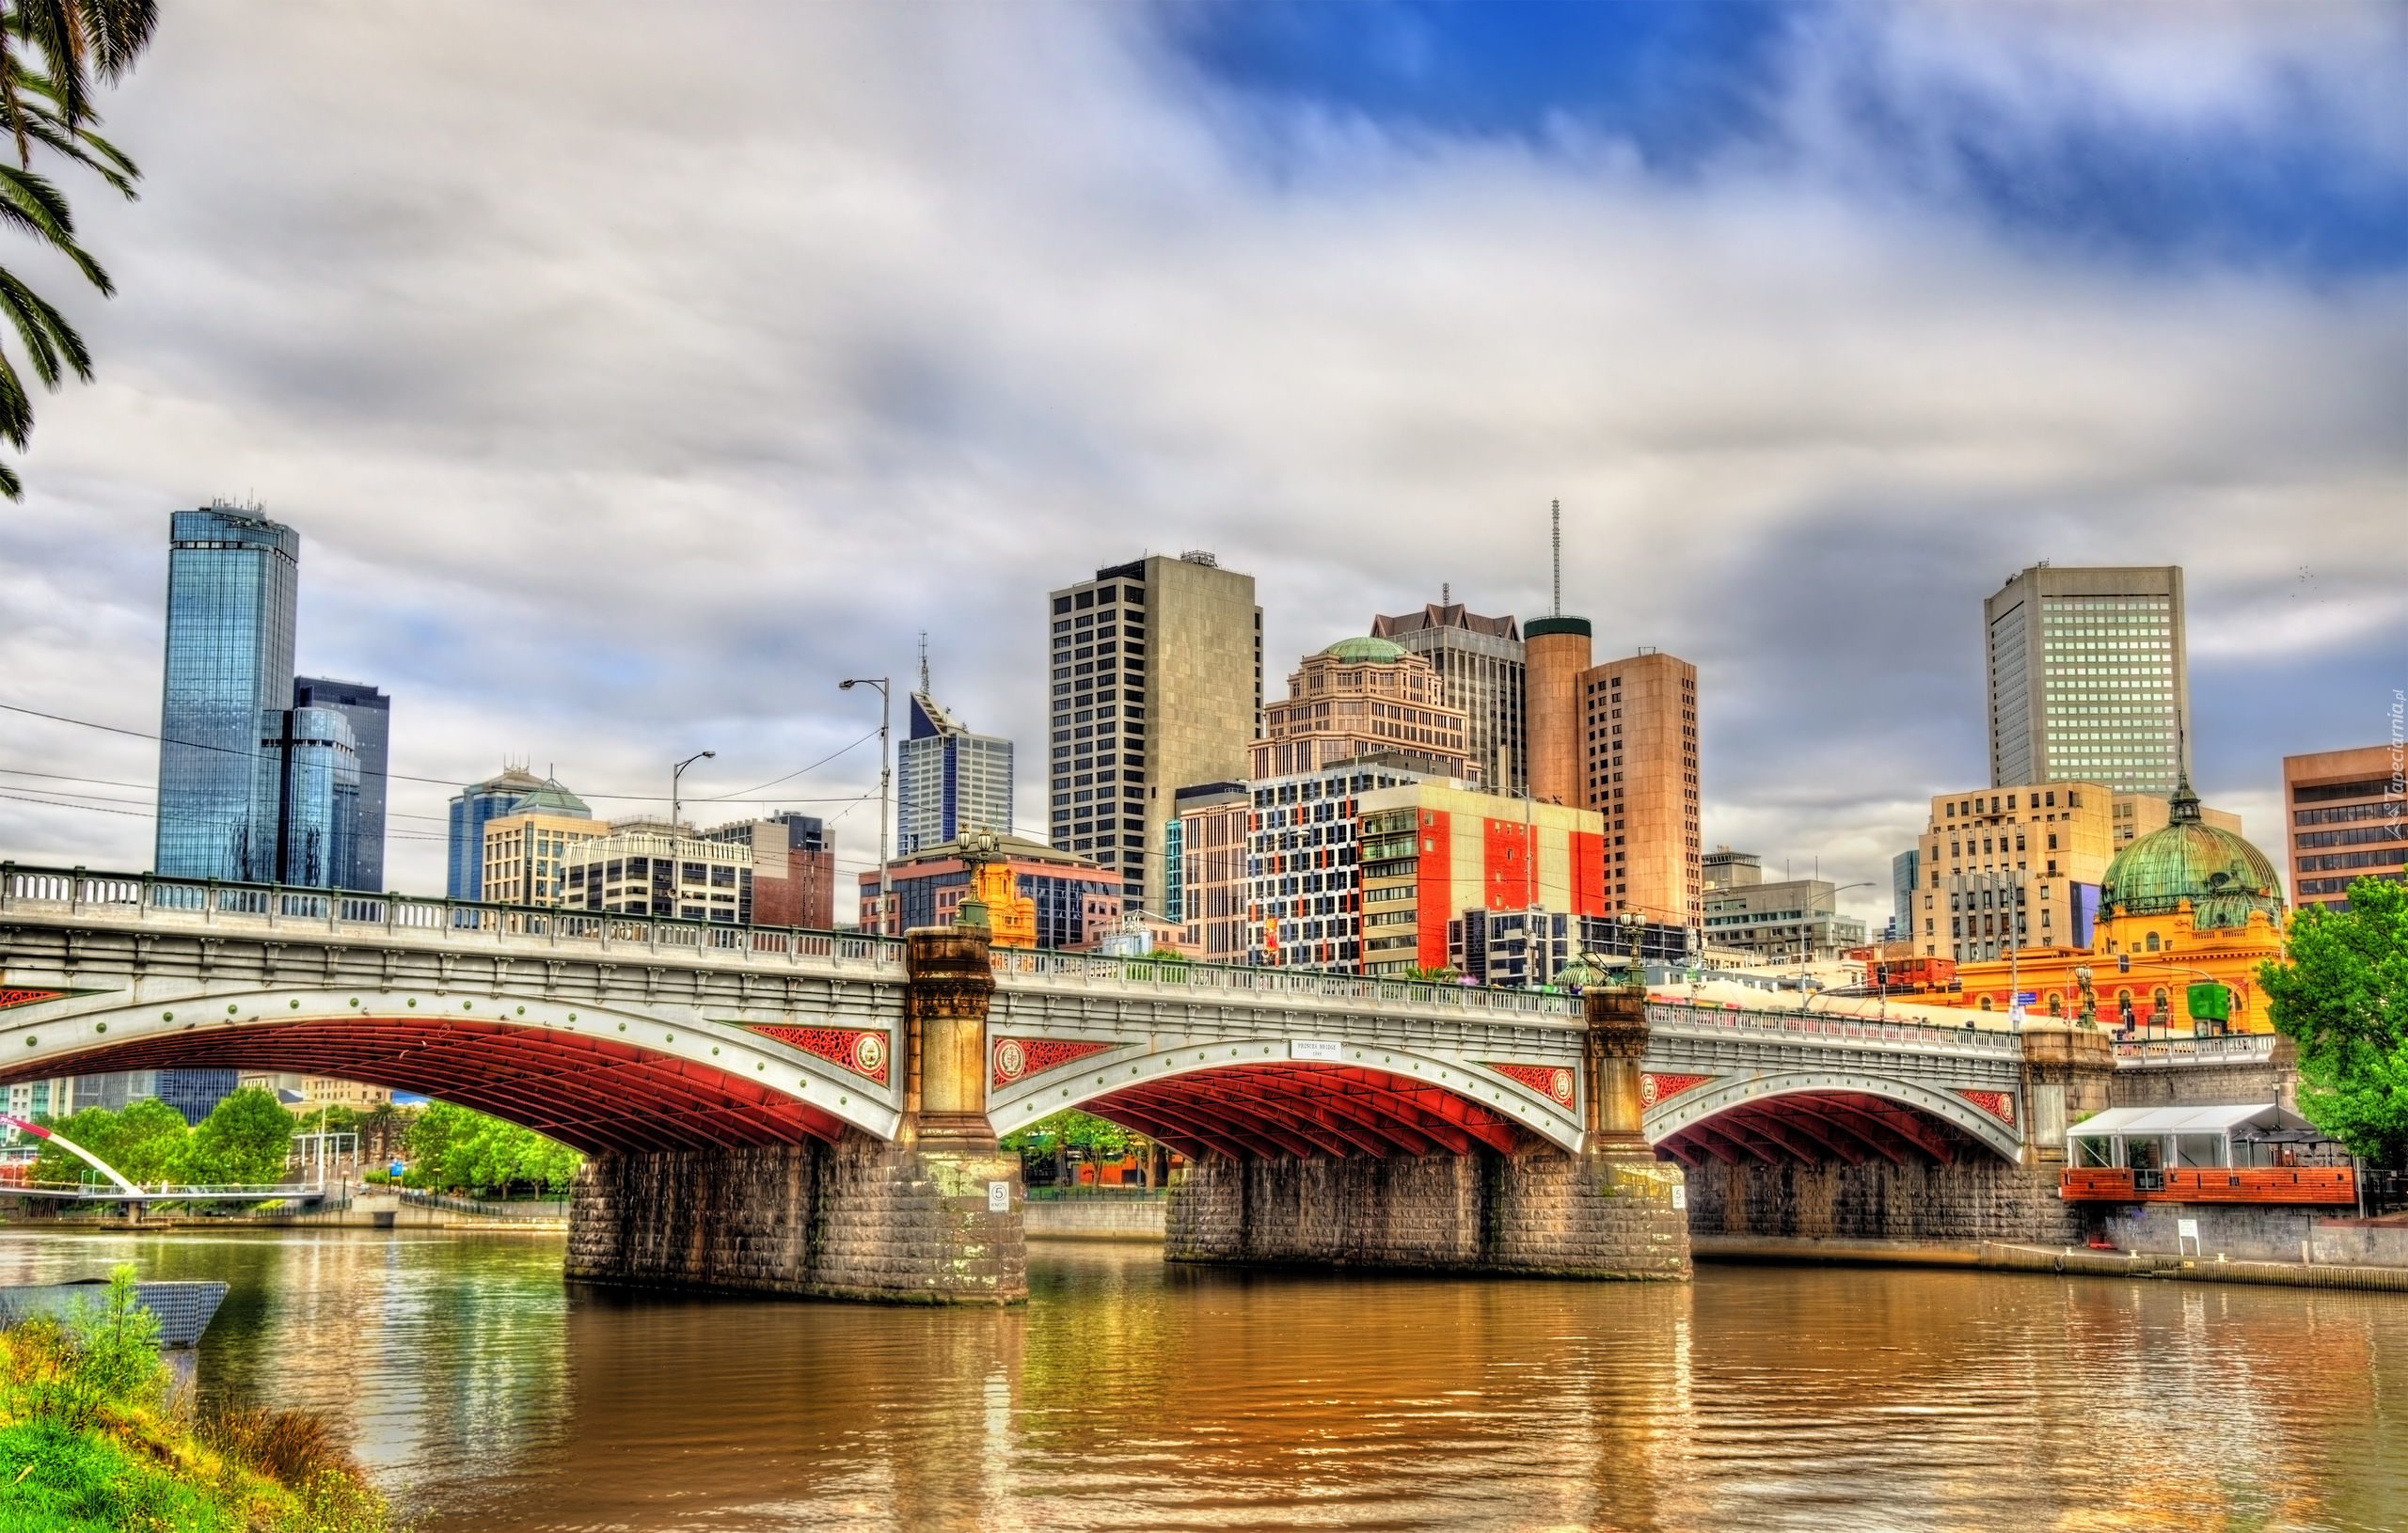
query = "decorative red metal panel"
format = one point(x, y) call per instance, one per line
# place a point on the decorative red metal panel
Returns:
point(1997, 1104)
point(862, 1053)
point(1019, 1058)
point(1656, 1088)
point(26, 998)
point(1546, 1079)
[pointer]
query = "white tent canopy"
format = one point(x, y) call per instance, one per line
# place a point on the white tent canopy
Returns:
point(2144, 1121)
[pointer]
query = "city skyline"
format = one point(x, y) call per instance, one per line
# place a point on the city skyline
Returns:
point(481, 508)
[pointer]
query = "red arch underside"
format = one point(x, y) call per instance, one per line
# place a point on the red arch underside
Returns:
point(1292, 1109)
point(590, 1092)
point(1810, 1126)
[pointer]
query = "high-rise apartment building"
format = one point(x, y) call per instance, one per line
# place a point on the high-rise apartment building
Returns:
point(233, 589)
point(794, 870)
point(1361, 697)
point(650, 867)
point(1639, 769)
point(1207, 849)
point(1155, 670)
point(948, 781)
point(370, 714)
point(2349, 820)
point(1433, 853)
point(1480, 666)
point(472, 807)
point(526, 850)
point(2088, 679)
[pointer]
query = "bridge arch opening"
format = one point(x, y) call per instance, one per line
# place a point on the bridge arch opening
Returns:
point(591, 1091)
point(1812, 1123)
point(1303, 1110)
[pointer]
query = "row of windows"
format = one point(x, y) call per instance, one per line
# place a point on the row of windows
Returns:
point(2389, 810)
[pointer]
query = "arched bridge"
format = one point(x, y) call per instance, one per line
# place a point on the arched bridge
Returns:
point(618, 1033)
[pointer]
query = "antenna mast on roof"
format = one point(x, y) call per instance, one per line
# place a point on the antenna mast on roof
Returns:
point(923, 662)
point(1446, 593)
point(1556, 518)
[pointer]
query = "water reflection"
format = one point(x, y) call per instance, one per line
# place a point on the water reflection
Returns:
point(1129, 1396)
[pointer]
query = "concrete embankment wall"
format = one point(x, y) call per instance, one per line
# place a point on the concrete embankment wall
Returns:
point(1137, 1219)
point(860, 1219)
point(1754, 1205)
point(1542, 1212)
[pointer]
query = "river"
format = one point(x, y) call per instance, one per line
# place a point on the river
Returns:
point(485, 1393)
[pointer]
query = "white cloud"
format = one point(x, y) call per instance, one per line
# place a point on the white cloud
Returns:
point(630, 389)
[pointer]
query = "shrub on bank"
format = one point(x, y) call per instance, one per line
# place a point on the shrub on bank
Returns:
point(87, 1441)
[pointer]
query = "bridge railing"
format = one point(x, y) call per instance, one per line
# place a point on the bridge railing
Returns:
point(1802, 1025)
point(1189, 978)
point(2236, 1049)
point(78, 890)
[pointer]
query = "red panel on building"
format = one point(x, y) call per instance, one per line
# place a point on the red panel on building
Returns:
point(1434, 893)
point(1508, 877)
point(1588, 875)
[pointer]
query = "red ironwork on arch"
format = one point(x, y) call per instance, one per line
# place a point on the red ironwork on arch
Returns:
point(591, 1093)
point(1813, 1126)
point(1293, 1109)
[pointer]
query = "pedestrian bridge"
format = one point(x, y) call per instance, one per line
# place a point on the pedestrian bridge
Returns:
point(618, 1033)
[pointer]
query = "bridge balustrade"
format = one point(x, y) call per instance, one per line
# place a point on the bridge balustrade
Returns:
point(2238, 1049)
point(1089, 968)
point(211, 900)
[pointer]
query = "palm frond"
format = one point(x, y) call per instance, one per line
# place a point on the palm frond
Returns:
point(34, 206)
point(47, 336)
point(16, 405)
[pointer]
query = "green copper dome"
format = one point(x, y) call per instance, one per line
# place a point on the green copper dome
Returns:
point(2223, 876)
point(1366, 651)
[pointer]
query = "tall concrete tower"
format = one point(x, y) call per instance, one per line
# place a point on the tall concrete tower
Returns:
point(1556, 651)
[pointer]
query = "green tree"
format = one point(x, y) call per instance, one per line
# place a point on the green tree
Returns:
point(245, 1140)
point(454, 1149)
point(2341, 995)
point(141, 1144)
point(53, 55)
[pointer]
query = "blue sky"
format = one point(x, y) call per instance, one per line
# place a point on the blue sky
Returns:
point(628, 400)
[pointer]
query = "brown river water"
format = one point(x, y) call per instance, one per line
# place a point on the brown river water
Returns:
point(485, 1393)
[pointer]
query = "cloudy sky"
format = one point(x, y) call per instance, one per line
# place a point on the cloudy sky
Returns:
point(635, 376)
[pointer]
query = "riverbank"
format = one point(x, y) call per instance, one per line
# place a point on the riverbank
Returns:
point(1998, 1256)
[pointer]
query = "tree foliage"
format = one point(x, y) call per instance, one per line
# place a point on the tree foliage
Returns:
point(54, 54)
point(142, 1143)
point(2341, 995)
point(453, 1148)
point(245, 1140)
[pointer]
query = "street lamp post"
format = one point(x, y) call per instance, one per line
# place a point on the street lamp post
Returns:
point(676, 805)
point(885, 709)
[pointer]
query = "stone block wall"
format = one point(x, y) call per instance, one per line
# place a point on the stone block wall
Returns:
point(2212, 1086)
point(860, 1219)
point(1540, 1214)
point(1972, 1199)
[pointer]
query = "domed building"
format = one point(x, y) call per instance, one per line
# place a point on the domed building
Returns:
point(2183, 912)
point(1363, 697)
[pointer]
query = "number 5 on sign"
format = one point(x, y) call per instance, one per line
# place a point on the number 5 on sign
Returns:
point(999, 1197)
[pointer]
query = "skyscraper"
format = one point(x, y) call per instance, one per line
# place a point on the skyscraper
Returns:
point(1156, 676)
point(1361, 697)
point(1479, 662)
point(947, 780)
point(2087, 677)
point(370, 714)
point(234, 583)
point(311, 803)
point(1640, 771)
point(471, 807)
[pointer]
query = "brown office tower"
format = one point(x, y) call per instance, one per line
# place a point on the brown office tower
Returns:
point(1639, 769)
point(1157, 684)
point(2348, 813)
point(1555, 654)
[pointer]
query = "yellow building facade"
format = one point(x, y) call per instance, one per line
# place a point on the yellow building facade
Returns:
point(2189, 904)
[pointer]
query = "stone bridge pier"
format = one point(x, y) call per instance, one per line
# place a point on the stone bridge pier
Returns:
point(932, 1216)
point(1611, 1210)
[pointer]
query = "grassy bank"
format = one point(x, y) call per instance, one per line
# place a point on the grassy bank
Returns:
point(90, 1440)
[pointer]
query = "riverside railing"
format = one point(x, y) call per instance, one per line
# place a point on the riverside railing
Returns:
point(213, 902)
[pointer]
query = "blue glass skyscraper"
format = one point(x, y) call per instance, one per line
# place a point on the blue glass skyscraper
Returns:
point(948, 781)
point(370, 715)
point(234, 585)
point(471, 807)
point(311, 767)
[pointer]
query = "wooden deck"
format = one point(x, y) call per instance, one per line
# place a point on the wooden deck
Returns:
point(2213, 1184)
